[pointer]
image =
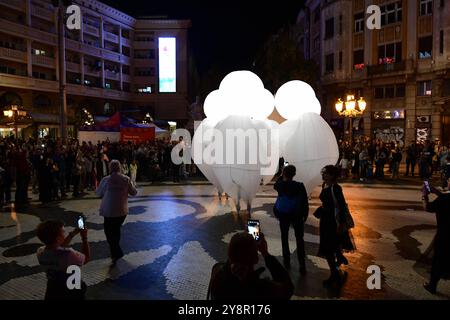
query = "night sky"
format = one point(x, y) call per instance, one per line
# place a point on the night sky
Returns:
point(225, 33)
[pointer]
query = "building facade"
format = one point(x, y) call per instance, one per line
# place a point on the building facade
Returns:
point(115, 62)
point(402, 70)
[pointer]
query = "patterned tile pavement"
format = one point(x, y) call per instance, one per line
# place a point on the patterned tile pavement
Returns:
point(175, 233)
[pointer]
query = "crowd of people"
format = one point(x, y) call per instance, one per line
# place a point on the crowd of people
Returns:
point(54, 169)
point(368, 159)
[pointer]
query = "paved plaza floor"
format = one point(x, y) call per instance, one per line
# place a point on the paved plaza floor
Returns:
point(176, 232)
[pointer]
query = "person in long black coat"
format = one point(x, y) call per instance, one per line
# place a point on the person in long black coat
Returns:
point(333, 237)
point(440, 267)
point(45, 179)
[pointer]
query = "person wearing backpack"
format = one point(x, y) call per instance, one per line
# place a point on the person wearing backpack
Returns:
point(291, 208)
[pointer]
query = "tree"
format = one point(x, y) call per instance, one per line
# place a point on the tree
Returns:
point(279, 60)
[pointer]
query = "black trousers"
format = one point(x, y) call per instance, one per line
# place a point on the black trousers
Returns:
point(112, 231)
point(298, 225)
point(412, 163)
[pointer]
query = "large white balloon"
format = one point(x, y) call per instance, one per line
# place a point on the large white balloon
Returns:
point(295, 98)
point(286, 131)
point(273, 146)
point(203, 136)
point(312, 146)
point(213, 106)
point(241, 177)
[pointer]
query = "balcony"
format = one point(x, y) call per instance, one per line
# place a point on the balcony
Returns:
point(43, 61)
point(10, 54)
point(91, 30)
point(386, 68)
point(111, 37)
point(97, 52)
point(27, 32)
point(112, 75)
point(73, 67)
point(14, 4)
point(126, 42)
point(42, 13)
point(126, 78)
point(24, 82)
point(91, 72)
point(97, 92)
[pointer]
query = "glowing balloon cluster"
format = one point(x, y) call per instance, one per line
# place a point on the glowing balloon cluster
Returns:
point(306, 140)
point(241, 105)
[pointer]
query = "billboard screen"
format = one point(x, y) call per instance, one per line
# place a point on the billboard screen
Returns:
point(167, 64)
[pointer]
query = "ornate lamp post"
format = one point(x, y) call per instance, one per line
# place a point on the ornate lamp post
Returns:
point(351, 108)
point(14, 112)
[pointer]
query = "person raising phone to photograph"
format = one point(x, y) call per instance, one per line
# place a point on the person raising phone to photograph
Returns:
point(56, 256)
point(440, 267)
point(236, 279)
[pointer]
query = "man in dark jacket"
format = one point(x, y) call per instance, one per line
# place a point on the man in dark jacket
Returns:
point(291, 208)
point(237, 280)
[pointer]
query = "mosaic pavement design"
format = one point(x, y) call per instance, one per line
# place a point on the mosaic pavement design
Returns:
point(175, 233)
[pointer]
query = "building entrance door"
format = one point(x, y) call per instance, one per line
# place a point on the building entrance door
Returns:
point(446, 129)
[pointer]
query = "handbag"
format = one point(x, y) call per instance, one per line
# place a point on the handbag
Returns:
point(318, 212)
point(348, 222)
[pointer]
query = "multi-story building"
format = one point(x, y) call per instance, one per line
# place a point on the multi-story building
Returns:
point(115, 62)
point(402, 70)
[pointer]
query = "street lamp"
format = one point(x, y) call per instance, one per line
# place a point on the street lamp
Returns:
point(14, 112)
point(59, 4)
point(351, 108)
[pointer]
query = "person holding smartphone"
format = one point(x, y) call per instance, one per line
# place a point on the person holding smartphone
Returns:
point(56, 256)
point(236, 279)
point(440, 267)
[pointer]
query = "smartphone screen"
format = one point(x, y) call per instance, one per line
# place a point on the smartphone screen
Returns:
point(253, 227)
point(80, 222)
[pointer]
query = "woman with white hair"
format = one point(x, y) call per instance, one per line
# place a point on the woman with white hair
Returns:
point(114, 190)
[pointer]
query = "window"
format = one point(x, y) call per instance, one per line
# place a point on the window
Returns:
point(316, 44)
point(425, 47)
point(390, 53)
point(39, 52)
point(147, 89)
point(391, 13)
point(359, 22)
point(389, 92)
point(441, 42)
point(316, 14)
point(400, 91)
point(442, 3)
point(329, 28)
point(358, 59)
point(424, 88)
point(379, 93)
point(340, 60)
point(426, 7)
point(329, 63)
point(144, 54)
point(340, 24)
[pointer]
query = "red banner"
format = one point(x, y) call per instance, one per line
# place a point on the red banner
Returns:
point(137, 135)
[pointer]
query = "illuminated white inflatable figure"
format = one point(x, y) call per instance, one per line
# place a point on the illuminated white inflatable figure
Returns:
point(306, 140)
point(241, 105)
